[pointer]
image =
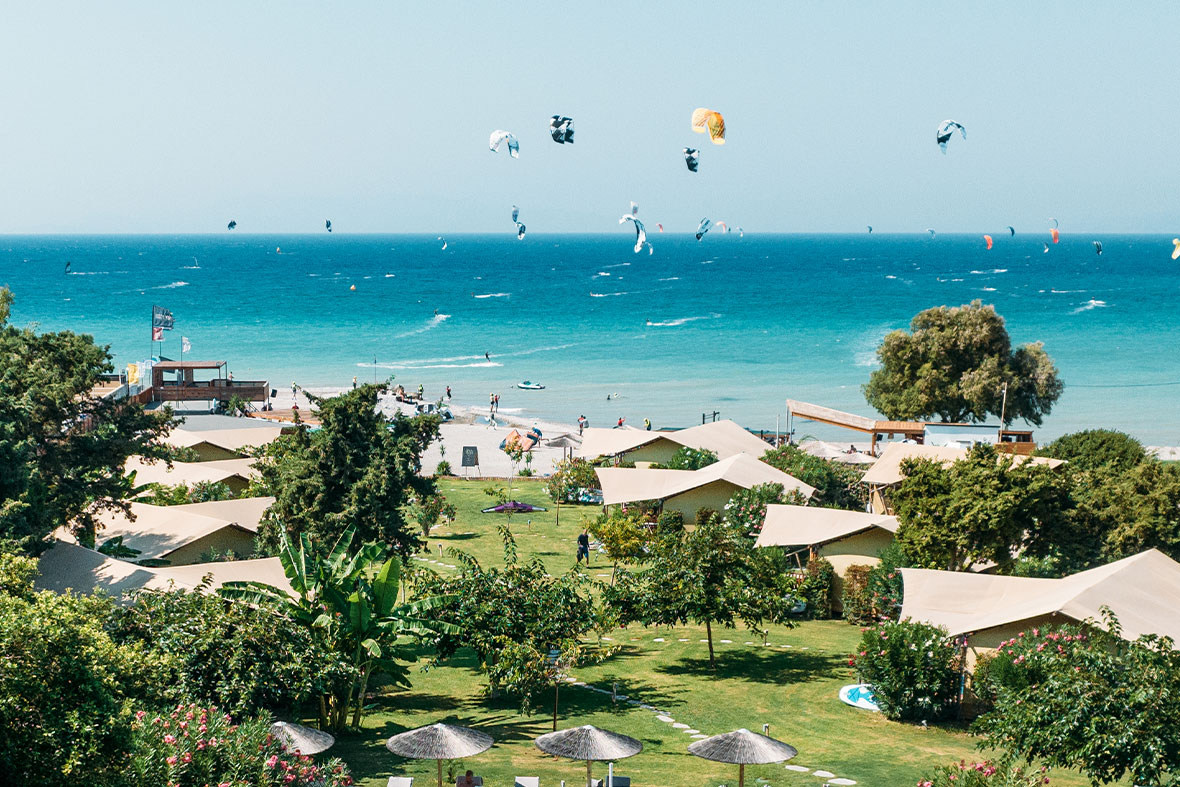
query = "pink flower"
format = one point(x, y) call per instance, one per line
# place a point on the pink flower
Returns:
point(169, 739)
point(273, 761)
point(171, 760)
point(139, 714)
point(188, 757)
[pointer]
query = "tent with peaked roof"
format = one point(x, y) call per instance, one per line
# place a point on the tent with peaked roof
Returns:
point(1142, 591)
point(688, 491)
point(234, 473)
point(724, 438)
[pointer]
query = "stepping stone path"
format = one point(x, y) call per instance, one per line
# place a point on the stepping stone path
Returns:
point(842, 782)
point(665, 719)
point(727, 642)
point(797, 768)
point(693, 733)
point(658, 639)
point(823, 774)
point(679, 726)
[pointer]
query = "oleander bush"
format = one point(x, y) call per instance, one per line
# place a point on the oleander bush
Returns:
point(913, 669)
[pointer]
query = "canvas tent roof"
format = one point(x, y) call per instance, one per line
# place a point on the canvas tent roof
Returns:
point(157, 531)
point(189, 473)
point(628, 484)
point(788, 525)
point(887, 469)
point(1141, 591)
point(229, 439)
point(724, 438)
point(66, 566)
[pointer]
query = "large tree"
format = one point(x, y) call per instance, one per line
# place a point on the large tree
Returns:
point(358, 470)
point(954, 364)
point(62, 447)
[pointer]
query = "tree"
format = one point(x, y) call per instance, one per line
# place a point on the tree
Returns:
point(622, 534)
point(955, 363)
point(837, 485)
point(358, 470)
point(983, 508)
point(570, 479)
point(1085, 698)
point(1092, 449)
point(1138, 510)
point(711, 574)
point(912, 667)
point(517, 604)
point(181, 494)
point(687, 458)
point(63, 447)
point(349, 599)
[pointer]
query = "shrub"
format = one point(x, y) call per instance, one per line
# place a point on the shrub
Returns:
point(571, 480)
point(428, 510)
point(837, 485)
point(689, 459)
point(1092, 449)
point(816, 588)
point(180, 494)
point(1002, 772)
point(525, 472)
point(669, 523)
point(858, 607)
point(193, 745)
point(913, 669)
point(443, 468)
point(705, 514)
point(746, 510)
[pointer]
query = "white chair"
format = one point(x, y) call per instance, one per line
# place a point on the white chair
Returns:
point(400, 781)
point(528, 781)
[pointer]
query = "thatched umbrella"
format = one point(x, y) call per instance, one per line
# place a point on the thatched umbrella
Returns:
point(300, 739)
point(439, 742)
point(589, 743)
point(742, 748)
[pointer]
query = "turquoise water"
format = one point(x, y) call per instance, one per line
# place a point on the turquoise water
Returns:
point(737, 325)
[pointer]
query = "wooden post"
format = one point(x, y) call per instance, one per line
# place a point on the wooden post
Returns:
point(440, 773)
point(741, 774)
point(588, 773)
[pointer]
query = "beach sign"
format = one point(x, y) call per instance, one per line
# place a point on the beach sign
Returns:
point(470, 456)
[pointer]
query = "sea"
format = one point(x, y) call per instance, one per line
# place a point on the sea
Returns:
point(728, 327)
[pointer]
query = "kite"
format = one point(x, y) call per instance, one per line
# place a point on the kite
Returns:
point(1046, 249)
point(988, 240)
point(932, 232)
point(640, 232)
point(692, 159)
point(1098, 247)
point(741, 232)
point(561, 129)
point(708, 121)
point(870, 226)
point(703, 227)
point(946, 131)
point(519, 225)
point(1055, 225)
point(233, 225)
point(68, 264)
point(444, 240)
point(328, 224)
point(1176, 248)
point(1012, 232)
point(661, 227)
point(724, 227)
point(497, 139)
point(1055, 235)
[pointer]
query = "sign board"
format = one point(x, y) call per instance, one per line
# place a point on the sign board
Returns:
point(470, 456)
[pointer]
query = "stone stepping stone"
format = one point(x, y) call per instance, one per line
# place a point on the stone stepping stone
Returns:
point(680, 726)
point(727, 642)
point(645, 706)
point(842, 782)
point(691, 732)
point(804, 648)
point(682, 640)
point(602, 576)
point(823, 774)
point(621, 697)
point(702, 640)
point(658, 639)
point(698, 736)
point(608, 639)
point(749, 643)
point(665, 719)
point(797, 768)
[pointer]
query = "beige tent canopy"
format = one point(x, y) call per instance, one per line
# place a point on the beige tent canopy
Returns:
point(182, 534)
point(887, 469)
point(234, 473)
point(689, 490)
point(724, 438)
point(69, 567)
point(1142, 591)
point(230, 443)
point(788, 525)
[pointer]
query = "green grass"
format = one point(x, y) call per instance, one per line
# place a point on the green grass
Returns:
point(793, 688)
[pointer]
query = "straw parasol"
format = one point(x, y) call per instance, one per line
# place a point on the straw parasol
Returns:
point(742, 748)
point(589, 743)
point(439, 742)
point(300, 739)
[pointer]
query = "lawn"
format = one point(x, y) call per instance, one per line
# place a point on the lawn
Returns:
point(791, 683)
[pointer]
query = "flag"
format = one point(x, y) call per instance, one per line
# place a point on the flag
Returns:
point(162, 318)
point(185, 345)
point(132, 373)
point(157, 334)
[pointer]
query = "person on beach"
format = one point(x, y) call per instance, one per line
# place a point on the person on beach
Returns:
point(421, 391)
point(448, 393)
point(581, 424)
point(292, 389)
point(583, 547)
point(619, 425)
point(647, 424)
point(354, 382)
point(492, 420)
point(230, 379)
point(497, 402)
point(487, 356)
point(492, 401)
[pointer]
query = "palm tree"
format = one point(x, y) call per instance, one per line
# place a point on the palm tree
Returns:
point(349, 599)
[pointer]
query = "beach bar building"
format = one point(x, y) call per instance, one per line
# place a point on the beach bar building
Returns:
point(202, 381)
point(724, 438)
point(1141, 590)
point(688, 491)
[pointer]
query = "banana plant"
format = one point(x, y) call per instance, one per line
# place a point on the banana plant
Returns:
point(349, 598)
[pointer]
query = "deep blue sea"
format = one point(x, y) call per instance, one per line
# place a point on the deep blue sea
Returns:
point(731, 324)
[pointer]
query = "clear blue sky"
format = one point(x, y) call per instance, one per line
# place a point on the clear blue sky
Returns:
point(175, 117)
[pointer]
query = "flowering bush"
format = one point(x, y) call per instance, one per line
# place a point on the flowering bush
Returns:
point(1024, 661)
point(572, 481)
point(746, 510)
point(428, 510)
point(194, 746)
point(989, 773)
point(912, 667)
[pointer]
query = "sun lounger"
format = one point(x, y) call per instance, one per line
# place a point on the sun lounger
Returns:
point(400, 781)
point(528, 781)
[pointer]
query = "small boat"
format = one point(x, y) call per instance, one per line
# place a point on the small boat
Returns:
point(859, 695)
point(529, 385)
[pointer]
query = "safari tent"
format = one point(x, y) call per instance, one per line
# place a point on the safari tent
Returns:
point(724, 438)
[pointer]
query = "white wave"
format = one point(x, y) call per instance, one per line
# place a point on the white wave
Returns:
point(671, 278)
point(618, 265)
point(1063, 292)
point(480, 364)
point(682, 321)
point(492, 295)
point(606, 294)
point(432, 323)
point(88, 273)
point(890, 276)
point(1088, 305)
point(602, 273)
point(452, 362)
point(993, 270)
point(389, 275)
point(171, 286)
point(988, 289)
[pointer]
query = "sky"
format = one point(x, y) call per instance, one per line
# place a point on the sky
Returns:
point(150, 117)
